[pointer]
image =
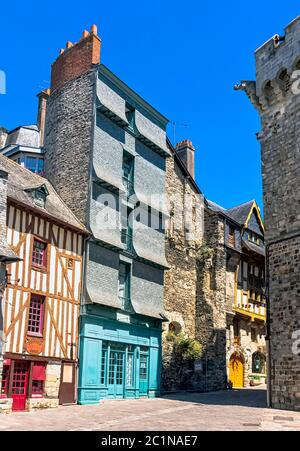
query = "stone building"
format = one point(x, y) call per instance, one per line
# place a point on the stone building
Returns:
point(243, 265)
point(275, 94)
point(42, 243)
point(184, 237)
point(105, 153)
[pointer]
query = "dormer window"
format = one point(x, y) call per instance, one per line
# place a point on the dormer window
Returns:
point(39, 195)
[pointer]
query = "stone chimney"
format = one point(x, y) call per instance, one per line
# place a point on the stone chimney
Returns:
point(3, 136)
point(186, 152)
point(76, 59)
point(41, 116)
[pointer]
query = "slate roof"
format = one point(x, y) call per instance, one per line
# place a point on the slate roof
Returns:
point(241, 212)
point(21, 181)
point(238, 214)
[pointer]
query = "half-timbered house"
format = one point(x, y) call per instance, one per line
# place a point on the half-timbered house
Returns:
point(42, 297)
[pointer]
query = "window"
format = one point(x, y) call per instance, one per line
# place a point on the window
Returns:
point(36, 316)
point(124, 284)
point(103, 363)
point(254, 238)
point(231, 236)
point(128, 172)
point(35, 164)
point(236, 328)
point(39, 254)
point(253, 335)
point(37, 387)
point(38, 379)
point(258, 363)
point(130, 116)
point(126, 234)
point(5, 377)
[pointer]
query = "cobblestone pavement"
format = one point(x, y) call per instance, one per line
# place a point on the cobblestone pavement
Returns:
point(228, 410)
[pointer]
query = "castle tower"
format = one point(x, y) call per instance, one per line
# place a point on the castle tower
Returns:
point(276, 96)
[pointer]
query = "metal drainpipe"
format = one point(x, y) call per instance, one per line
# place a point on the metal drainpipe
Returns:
point(268, 337)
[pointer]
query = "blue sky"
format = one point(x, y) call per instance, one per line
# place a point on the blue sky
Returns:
point(182, 57)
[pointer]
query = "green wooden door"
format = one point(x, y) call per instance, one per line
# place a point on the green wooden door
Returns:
point(116, 374)
point(144, 374)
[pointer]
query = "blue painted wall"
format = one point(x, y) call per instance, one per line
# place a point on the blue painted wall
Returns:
point(94, 331)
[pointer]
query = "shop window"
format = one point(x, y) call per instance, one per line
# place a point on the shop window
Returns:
point(36, 316)
point(103, 365)
point(39, 254)
point(4, 385)
point(38, 379)
point(38, 388)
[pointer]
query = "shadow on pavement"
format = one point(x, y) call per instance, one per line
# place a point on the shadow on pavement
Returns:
point(246, 397)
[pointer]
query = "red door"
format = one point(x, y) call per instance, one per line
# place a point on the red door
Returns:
point(19, 385)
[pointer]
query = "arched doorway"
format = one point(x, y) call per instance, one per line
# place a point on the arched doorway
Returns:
point(236, 371)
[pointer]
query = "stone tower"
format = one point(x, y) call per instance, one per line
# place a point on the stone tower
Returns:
point(275, 94)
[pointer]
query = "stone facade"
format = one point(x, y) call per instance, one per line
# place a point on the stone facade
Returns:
point(69, 125)
point(276, 96)
point(211, 312)
point(240, 283)
point(194, 284)
point(180, 283)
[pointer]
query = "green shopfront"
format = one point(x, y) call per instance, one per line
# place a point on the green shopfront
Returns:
point(118, 360)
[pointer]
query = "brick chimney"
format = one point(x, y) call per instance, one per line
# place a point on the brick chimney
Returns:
point(41, 116)
point(76, 59)
point(186, 152)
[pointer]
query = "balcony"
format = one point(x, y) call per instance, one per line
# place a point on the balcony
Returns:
point(126, 305)
point(254, 309)
point(129, 186)
point(126, 238)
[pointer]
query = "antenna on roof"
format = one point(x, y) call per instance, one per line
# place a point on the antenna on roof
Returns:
point(175, 124)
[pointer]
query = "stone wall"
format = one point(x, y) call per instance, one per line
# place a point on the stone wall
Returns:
point(278, 101)
point(52, 382)
point(68, 141)
point(284, 287)
point(6, 405)
point(195, 288)
point(211, 308)
point(180, 284)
